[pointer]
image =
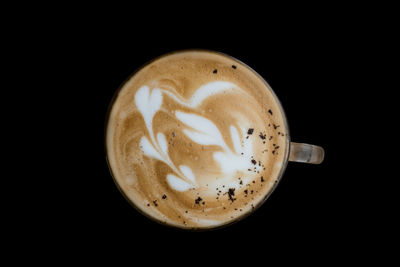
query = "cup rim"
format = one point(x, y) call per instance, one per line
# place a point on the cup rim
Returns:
point(197, 229)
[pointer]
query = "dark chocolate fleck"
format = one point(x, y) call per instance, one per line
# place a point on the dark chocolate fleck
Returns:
point(155, 203)
point(148, 205)
point(203, 203)
point(276, 126)
point(246, 191)
point(231, 193)
point(164, 196)
point(234, 67)
point(241, 182)
point(250, 131)
point(197, 201)
point(262, 136)
point(215, 71)
point(262, 179)
point(270, 112)
point(253, 161)
point(271, 137)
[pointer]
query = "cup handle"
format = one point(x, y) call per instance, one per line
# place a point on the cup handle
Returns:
point(306, 153)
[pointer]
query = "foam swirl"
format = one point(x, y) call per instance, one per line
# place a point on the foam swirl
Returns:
point(200, 130)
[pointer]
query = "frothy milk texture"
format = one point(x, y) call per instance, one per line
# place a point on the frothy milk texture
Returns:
point(196, 139)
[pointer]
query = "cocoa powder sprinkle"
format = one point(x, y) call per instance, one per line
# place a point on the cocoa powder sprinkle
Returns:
point(197, 201)
point(231, 193)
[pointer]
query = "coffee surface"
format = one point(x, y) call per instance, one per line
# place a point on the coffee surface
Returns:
point(196, 139)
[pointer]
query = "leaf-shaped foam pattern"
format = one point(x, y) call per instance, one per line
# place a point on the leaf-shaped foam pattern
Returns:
point(208, 90)
point(148, 149)
point(188, 173)
point(177, 183)
point(208, 133)
point(201, 139)
point(230, 162)
point(148, 104)
point(162, 142)
point(202, 93)
point(141, 99)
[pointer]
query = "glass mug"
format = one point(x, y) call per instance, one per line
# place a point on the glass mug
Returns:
point(295, 152)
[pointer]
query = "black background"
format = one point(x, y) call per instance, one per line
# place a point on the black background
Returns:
point(321, 66)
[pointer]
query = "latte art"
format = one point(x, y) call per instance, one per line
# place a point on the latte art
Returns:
point(201, 131)
point(196, 139)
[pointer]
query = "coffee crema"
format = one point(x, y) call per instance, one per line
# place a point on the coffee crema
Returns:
point(196, 139)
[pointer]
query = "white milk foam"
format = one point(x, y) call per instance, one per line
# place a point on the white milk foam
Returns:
point(200, 130)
